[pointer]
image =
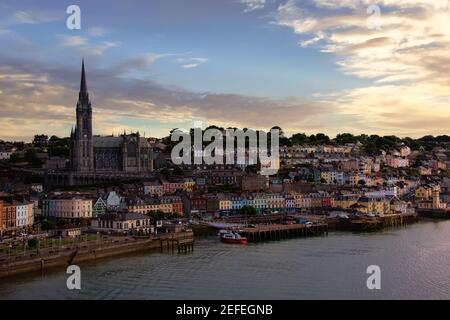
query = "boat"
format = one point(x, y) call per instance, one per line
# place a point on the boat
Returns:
point(233, 237)
point(222, 232)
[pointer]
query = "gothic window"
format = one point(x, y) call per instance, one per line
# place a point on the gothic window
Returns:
point(132, 149)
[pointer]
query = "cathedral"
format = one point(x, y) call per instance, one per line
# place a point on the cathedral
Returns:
point(127, 153)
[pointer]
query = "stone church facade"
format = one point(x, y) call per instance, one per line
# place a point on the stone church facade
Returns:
point(127, 153)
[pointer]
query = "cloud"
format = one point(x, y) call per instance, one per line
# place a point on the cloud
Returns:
point(406, 59)
point(35, 17)
point(142, 62)
point(42, 98)
point(252, 5)
point(97, 31)
point(72, 41)
point(190, 63)
point(86, 47)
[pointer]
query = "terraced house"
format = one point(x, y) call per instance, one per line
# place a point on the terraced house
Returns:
point(67, 207)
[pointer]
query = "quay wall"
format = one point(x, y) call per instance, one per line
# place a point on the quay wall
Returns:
point(75, 255)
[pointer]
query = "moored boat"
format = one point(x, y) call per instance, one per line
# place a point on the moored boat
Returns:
point(233, 237)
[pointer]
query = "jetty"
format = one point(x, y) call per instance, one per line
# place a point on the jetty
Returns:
point(283, 231)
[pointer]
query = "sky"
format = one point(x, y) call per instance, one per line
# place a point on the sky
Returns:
point(332, 66)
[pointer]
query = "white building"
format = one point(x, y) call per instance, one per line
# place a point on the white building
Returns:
point(24, 214)
point(5, 155)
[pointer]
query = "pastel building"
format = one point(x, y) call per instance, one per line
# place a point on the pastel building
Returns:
point(9, 216)
point(396, 162)
point(153, 188)
point(67, 208)
point(24, 214)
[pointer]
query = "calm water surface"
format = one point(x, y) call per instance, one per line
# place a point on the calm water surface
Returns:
point(414, 261)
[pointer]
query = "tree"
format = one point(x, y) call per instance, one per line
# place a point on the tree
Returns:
point(48, 225)
point(31, 157)
point(15, 158)
point(157, 215)
point(248, 211)
point(32, 243)
point(299, 138)
point(344, 138)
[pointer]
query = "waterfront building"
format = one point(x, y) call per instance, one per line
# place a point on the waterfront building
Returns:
point(67, 207)
point(16, 215)
point(260, 201)
point(374, 205)
point(225, 202)
point(297, 198)
point(275, 201)
point(236, 202)
point(306, 201)
point(9, 216)
point(400, 207)
point(434, 203)
point(123, 222)
point(345, 201)
point(24, 214)
point(425, 192)
point(172, 204)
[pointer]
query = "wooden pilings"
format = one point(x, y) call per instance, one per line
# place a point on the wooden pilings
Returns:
point(181, 245)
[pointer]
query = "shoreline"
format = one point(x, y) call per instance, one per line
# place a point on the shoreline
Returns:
point(182, 241)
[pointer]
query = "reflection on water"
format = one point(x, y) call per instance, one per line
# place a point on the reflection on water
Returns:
point(414, 263)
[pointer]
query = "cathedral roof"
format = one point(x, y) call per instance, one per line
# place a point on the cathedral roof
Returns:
point(107, 142)
point(114, 142)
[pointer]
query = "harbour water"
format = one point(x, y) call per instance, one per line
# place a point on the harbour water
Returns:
point(414, 262)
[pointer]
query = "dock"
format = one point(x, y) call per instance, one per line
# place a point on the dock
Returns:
point(182, 245)
point(283, 231)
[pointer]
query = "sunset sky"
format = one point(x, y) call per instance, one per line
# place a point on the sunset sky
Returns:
point(154, 65)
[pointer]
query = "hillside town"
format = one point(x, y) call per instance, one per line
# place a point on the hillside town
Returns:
point(320, 179)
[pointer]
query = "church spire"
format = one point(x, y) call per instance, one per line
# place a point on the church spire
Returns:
point(83, 86)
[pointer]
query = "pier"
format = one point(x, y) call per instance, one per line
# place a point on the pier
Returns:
point(367, 224)
point(182, 245)
point(283, 231)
